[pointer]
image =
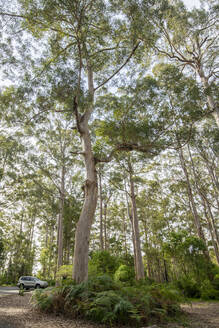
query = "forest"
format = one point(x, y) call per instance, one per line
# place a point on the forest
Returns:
point(109, 155)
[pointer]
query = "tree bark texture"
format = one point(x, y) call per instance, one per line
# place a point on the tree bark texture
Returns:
point(215, 245)
point(131, 221)
point(82, 236)
point(105, 226)
point(60, 219)
point(101, 211)
point(191, 198)
point(137, 241)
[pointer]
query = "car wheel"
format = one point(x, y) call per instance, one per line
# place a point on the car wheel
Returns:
point(37, 286)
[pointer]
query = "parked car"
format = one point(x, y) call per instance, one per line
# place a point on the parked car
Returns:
point(31, 282)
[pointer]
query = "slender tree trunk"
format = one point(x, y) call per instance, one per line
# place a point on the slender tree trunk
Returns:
point(51, 239)
point(105, 226)
point(60, 222)
point(101, 211)
point(146, 251)
point(210, 218)
point(166, 278)
point(46, 245)
point(131, 220)
point(68, 251)
point(191, 198)
point(125, 231)
point(137, 241)
point(214, 229)
point(214, 243)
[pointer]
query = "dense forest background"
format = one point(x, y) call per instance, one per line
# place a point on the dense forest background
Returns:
point(110, 142)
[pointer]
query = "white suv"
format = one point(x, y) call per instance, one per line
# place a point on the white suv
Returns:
point(31, 282)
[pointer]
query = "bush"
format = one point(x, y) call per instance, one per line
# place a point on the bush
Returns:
point(102, 262)
point(154, 301)
point(51, 282)
point(208, 292)
point(48, 300)
point(215, 281)
point(65, 271)
point(124, 273)
point(189, 287)
point(102, 300)
point(108, 307)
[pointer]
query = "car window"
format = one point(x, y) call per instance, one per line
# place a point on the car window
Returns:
point(24, 278)
point(32, 279)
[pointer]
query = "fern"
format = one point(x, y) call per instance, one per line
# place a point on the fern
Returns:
point(101, 300)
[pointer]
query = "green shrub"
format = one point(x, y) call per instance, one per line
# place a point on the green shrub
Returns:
point(189, 287)
point(215, 269)
point(124, 273)
point(102, 300)
point(154, 300)
point(208, 292)
point(101, 283)
point(21, 292)
point(102, 262)
point(5, 281)
point(205, 290)
point(215, 282)
point(51, 282)
point(65, 271)
point(108, 307)
point(67, 282)
point(48, 300)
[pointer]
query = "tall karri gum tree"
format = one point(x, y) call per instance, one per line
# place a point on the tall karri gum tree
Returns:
point(93, 38)
point(190, 39)
point(187, 38)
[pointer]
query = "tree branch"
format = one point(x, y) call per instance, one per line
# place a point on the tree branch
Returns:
point(77, 152)
point(38, 22)
point(125, 147)
point(119, 69)
point(104, 49)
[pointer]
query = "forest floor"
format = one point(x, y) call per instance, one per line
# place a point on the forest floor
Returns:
point(16, 312)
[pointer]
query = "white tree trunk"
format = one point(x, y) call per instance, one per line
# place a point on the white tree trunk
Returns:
point(137, 242)
point(60, 220)
point(215, 245)
point(101, 211)
point(192, 204)
point(82, 237)
point(105, 226)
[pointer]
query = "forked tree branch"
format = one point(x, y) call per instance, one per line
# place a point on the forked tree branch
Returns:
point(119, 69)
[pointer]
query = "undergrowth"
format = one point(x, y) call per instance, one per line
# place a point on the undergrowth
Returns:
point(103, 300)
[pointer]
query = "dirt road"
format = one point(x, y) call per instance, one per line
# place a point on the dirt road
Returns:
point(8, 290)
point(16, 312)
point(203, 314)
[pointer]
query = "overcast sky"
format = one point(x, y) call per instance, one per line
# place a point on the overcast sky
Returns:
point(191, 3)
